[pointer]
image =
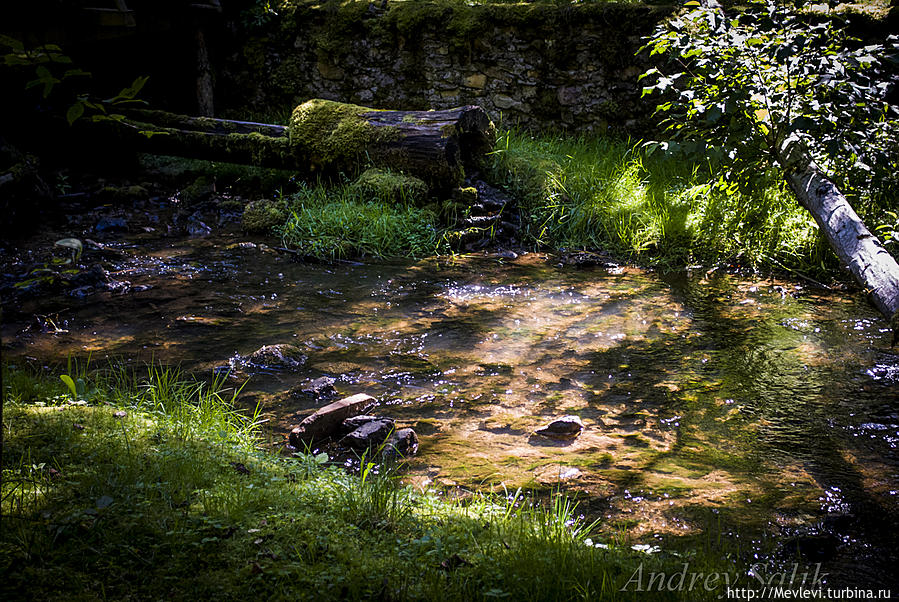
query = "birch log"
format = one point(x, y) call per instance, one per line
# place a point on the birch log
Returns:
point(859, 250)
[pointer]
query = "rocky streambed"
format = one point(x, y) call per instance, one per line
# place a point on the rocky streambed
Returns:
point(686, 399)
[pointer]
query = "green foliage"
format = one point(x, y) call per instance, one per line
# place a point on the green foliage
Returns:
point(342, 221)
point(740, 85)
point(603, 193)
point(54, 74)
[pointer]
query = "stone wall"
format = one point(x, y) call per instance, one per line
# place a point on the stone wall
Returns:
point(569, 66)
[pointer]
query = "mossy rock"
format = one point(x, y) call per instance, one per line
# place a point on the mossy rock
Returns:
point(390, 186)
point(330, 133)
point(259, 217)
point(198, 190)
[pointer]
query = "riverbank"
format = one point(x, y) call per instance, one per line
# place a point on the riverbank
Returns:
point(152, 486)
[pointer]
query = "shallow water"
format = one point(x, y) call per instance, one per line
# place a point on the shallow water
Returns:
point(773, 406)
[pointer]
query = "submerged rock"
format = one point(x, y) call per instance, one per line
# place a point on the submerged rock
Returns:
point(566, 427)
point(582, 259)
point(320, 388)
point(273, 357)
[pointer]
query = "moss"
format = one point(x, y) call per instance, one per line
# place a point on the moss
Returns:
point(197, 190)
point(332, 133)
point(466, 196)
point(124, 193)
point(231, 205)
point(390, 186)
point(260, 217)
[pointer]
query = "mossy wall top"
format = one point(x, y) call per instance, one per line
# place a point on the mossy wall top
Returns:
point(541, 64)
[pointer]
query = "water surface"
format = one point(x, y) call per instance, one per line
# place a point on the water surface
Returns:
point(770, 404)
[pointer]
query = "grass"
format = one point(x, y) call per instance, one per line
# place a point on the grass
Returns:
point(174, 500)
point(594, 193)
point(343, 220)
point(606, 193)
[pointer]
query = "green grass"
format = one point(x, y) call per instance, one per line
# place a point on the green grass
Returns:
point(175, 500)
point(606, 193)
point(343, 220)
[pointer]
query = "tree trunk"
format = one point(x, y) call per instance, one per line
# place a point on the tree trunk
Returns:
point(861, 252)
point(325, 137)
point(205, 103)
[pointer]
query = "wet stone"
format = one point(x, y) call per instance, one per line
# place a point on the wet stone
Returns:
point(327, 421)
point(566, 427)
point(351, 424)
point(195, 227)
point(272, 357)
point(111, 224)
point(320, 388)
point(401, 443)
point(370, 435)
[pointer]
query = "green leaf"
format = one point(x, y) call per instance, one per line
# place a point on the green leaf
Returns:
point(76, 73)
point(70, 384)
point(74, 112)
point(71, 243)
point(12, 43)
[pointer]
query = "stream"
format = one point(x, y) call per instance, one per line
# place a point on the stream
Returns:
point(764, 406)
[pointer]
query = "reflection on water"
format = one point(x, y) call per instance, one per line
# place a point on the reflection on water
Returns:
point(775, 407)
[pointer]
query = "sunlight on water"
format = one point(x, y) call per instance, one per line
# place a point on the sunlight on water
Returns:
point(773, 406)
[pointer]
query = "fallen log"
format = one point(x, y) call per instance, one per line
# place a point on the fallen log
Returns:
point(325, 137)
point(859, 250)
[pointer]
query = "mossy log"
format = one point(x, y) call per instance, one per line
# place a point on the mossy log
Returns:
point(859, 250)
point(326, 137)
point(435, 146)
point(159, 132)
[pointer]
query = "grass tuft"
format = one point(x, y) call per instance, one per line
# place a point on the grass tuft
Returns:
point(606, 193)
point(344, 220)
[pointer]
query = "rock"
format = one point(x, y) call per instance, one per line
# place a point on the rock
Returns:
point(195, 227)
point(326, 421)
point(585, 259)
point(274, 357)
point(259, 217)
point(370, 435)
point(401, 443)
point(566, 427)
point(351, 424)
point(320, 388)
point(478, 81)
point(111, 224)
point(549, 475)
